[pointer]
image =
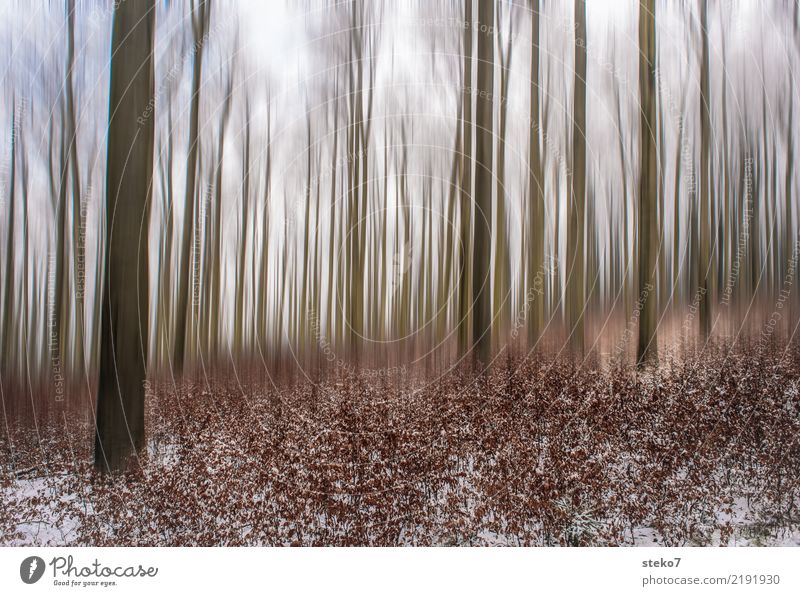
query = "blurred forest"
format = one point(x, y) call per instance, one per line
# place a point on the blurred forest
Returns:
point(331, 217)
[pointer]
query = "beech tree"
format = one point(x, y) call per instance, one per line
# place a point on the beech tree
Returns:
point(484, 163)
point(123, 344)
point(575, 299)
point(200, 16)
point(706, 274)
point(535, 228)
point(647, 349)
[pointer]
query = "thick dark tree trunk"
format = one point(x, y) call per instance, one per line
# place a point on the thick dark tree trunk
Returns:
point(123, 343)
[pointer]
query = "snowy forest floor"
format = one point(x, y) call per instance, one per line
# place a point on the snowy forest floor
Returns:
point(698, 451)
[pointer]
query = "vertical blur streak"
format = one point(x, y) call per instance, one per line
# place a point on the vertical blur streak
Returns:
point(482, 222)
point(576, 303)
point(123, 345)
point(397, 183)
point(647, 350)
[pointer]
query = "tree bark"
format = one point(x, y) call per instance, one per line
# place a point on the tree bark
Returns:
point(575, 226)
point(465, 190)
point(8, 306)
point(200, 14)
point(482, 222)
point(120, 399)
point(647, 349)
point(535, 256)
point(705, 273)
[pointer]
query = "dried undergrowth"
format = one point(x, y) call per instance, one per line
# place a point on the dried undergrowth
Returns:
point(701, 450)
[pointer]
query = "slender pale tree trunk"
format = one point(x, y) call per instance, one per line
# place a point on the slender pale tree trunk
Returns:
point(60, 332)
point(263, 278)
point(625, 241)
point(216, 274)
point(676, 207)
point(465, 190)
point(535, 256)
point(240, 342)
point(331, 335)
point(6, 357)
point(304, 282)
point(447, 234)
point(481, 273)
point(727, 237)
point(647, 349)
point(183, 315)
point(78, 240)
point(502, 267)
point(165, 251)
point(577, 188)
point(789, 241)
point(25, 322)
point(706, 276)
point(383, 278)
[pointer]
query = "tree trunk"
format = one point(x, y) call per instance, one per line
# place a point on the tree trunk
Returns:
point(8, 351)
point(482, 223)
point(120, 399)
point(705, 273)
point(647, 349)
point(502, 268)
point(575, 226)
point(535, 256)
point(465, 190)
point(200, 13)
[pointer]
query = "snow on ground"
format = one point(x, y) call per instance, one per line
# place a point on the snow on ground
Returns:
point(538, 453)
